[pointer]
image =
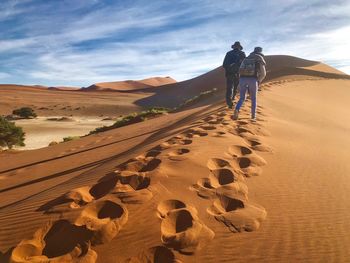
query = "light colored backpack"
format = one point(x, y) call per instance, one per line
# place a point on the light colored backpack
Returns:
point(248, 68)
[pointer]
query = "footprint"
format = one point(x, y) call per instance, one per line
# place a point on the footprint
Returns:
point(219, 134)
point(261, 119)
point(137, 180)
point(57, 243)
point(150, 153)
point(158, 254)
point(216, 163)
point(140, 165)
point(221, 180)
point(104, 219)
point(250, 166)
point(175, 142)
point(215, 120)
point(256, 129)
point(248, 135)
point(178, 154)
point(195, 132)
point(238, 150)
point(168, 205)
point(256, 143)
point(102, 188)
point(50, 244)
point(241, 130)
point(207, 127)
point(259, 146)
point(204, 188)
point(242, 122)
point(221, 177)
point(129, 196)
point(163, 146)
point(185, 142)
point(151, 165)
point(209, 118)
point(222, 114)
point(75, 198)
point(252, 159)
point(181, 228)
point(132, 187)
point(237, 213)
point(133, 165)
point(226, 123)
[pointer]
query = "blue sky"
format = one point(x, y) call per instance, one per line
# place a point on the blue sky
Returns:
point(80, 42)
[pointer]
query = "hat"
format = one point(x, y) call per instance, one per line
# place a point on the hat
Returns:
point(258, 49)
point(237, 45)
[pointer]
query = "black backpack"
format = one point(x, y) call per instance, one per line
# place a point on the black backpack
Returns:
point(233, 69)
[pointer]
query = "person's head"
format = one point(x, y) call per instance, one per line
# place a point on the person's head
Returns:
point(258, 50)
point(237, 45)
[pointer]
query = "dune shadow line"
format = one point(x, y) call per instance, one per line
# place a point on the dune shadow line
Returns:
point(71, 154)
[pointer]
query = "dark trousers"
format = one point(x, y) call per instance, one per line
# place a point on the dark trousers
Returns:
point(231, 89)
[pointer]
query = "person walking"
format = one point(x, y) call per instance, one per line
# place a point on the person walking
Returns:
point(231, 64)
point(252, 72)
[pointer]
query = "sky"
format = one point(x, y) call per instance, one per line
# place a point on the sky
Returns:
point(81, 42)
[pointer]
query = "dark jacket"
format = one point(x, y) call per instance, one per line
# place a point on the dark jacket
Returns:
point(232, 61)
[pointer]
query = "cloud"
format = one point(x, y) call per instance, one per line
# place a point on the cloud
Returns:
point(82, 42)
point(4, 75)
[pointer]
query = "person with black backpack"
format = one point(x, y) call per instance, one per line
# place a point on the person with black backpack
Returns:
point(231, 64)
point(252, 72)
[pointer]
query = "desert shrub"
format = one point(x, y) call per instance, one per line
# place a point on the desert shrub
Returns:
point(24, 112)
point(10, 134)
point(53, 143)
point(133, 118)
point(70, 138)
point(197, 98)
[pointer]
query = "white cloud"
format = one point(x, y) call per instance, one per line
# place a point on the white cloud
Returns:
point(4, 75)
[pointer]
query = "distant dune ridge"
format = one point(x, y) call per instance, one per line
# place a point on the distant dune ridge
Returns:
point(191, 186)
point(130, 85)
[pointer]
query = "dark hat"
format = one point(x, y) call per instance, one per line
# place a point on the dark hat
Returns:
point(258, 49)
point(237, 45)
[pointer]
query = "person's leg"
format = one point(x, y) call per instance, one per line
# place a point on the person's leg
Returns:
point(243, 87)
point(229, 91)
point(242, 91)
point(253, 90)
point(235, 86)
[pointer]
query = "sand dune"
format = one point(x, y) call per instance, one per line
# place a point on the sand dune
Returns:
point(47, 102)
point(195, 185)
point(130, 85)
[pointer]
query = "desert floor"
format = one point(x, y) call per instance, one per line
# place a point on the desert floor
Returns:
point(40, 132)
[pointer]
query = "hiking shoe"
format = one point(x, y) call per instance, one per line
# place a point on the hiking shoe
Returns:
point(230, 107)
point(253, 119)
point(235, 115)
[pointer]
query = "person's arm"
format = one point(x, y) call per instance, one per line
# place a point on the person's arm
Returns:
point(242, 57)
point(226, 63)
point(262, 72)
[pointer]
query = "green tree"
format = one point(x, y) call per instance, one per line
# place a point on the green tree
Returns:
point(10, 134)
point(24, 112)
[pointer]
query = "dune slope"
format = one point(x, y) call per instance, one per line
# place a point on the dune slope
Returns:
point(193, 186)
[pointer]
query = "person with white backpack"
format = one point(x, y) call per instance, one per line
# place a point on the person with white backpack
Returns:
point(252, 72)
